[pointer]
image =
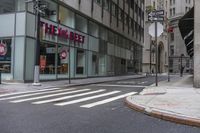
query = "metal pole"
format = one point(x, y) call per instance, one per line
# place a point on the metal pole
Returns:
point(69, 65)
point(150, 55)
point(181, 73)
point(168, 56)
point(156, 78)
point(37, 58)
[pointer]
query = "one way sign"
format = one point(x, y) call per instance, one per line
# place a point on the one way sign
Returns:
point(157, 15)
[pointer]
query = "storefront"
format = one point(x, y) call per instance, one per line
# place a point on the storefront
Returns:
point(71, 44)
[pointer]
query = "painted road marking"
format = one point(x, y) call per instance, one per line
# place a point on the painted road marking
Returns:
point(112, 85)
point(33, 94)
point(107, 100)
point(47, 96)
point(25, 92)
point(87, 98)
point(67, 97)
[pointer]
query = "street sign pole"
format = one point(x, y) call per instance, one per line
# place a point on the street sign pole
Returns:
point(156, 78)
point(156, 30)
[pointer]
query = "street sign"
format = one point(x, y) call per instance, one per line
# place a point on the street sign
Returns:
point(160, 19)
point(152, 29)
point(157, 15)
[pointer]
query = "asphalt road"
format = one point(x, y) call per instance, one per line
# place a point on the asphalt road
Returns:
point(97, 108)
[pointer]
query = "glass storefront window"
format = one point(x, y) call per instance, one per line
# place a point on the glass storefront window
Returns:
point(102, 65)
point(94, 64)
point(63, 60)
point(5, 55)
point(80, 62)
point(66, 17)
point(47, 58)
point(81, 23)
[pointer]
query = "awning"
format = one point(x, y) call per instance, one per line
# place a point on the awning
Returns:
point(186, 26)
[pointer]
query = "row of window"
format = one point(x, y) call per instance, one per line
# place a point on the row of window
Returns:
point(123, 17)
point(172, 2)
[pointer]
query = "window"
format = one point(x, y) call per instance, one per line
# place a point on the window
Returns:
point(51, 11)
point(7, 6)
point(174, 11)
point(62, 60)
point(5, 55)
point(171, 50)
point(47, 58)
point(114, 9)
point(170, 2)
point(106, 4)
point(80, 61)
point(66, 17)
point(93, 29)
point(172, 36)
point(81, 23)
point(154, 4)
point(98, 2)
point(170, 12)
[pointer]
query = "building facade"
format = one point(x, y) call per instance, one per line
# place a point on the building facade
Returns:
point(178, 54)
point(78, 38)
point(149, 55)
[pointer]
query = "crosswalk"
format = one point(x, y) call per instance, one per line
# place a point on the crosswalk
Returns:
point(87, 97)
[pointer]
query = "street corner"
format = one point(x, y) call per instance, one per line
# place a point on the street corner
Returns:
point(140, 103)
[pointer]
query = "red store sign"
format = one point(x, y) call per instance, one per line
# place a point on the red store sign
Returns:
point(58, 31)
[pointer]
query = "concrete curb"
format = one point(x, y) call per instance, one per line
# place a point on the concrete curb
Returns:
point(164, 115)
point(71, 85)
point(99, 82)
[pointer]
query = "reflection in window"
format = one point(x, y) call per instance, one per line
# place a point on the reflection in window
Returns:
point(93, 29)
point(5, 55)
point(7, 6)
point(47, 58)
point(63, 54)
point(66, 17)
point(80, 62)
point(81, 24)
point(51, 10)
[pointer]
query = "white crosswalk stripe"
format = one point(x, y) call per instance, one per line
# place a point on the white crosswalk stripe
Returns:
point(128, 86)
point(67, 97)
point(33, 94)
point(107, 100)
point(47, 96)
point(25, 92)
point(86, 99)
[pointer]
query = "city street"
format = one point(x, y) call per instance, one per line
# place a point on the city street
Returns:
point(97, 108)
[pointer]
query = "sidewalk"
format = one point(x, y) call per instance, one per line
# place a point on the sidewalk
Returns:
point(6, 87)
point(175, 101)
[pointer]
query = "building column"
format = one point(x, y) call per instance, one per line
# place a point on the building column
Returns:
point(196, 44)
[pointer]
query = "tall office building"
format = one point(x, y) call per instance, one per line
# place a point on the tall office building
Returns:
point(78, 38)
point(176, 9)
